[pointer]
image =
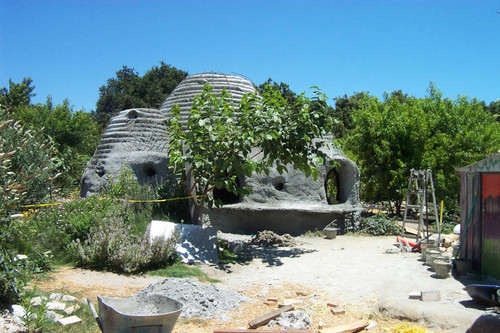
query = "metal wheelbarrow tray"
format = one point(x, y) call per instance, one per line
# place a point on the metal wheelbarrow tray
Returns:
point(145, 314)
point(486, 294)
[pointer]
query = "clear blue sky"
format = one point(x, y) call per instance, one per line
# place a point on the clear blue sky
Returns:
point(70, 48)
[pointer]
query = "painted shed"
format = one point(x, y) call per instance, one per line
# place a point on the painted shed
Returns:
point(480, 215)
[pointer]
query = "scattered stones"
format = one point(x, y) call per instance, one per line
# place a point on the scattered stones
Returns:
point(36, 301)
point(298, 320)
point(10, 323)
point(55, 296)
point(53, 316)
point(69, 321)
point(56, 306)
point(489, 322)
point(199, 299)
point(18, 311)
point(71, 309)
point(69, 298)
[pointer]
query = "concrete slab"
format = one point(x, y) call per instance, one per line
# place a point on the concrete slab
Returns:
point(196, 243)
point(434, 315)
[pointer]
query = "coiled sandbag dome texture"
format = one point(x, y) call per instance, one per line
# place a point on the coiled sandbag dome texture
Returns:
point(192, 86)
point(135, 138)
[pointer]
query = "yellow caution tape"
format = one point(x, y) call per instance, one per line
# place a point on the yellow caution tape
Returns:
point(130, 200)
point(42, 205)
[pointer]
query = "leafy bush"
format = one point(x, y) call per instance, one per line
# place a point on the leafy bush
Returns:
point(176, 210)
point(15, 273)
point(55, 227)
point(379, 225)
point(111, 245)
point(400, 133)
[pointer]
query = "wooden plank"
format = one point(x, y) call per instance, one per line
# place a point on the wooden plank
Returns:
point(252, 330)
point(347, 328)
point(264, 319)
point(337, 311)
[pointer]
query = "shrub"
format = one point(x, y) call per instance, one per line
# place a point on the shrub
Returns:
point(15, 273)
point(111, 245)
point(56, 227)
point(379, 225)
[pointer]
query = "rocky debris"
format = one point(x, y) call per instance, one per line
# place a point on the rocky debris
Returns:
point(199, 299)
point(270, 238)
point(489, 322)
point(298, 320)
point(12, 321)
point(69, 321)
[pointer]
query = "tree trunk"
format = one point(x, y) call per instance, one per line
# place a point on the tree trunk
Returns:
point(195, 208)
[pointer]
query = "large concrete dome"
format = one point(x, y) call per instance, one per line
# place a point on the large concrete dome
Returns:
point(192, 86)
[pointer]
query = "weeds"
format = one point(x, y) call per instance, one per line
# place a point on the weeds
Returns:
point(111, 245)
point(379, 225)
point(179, 270)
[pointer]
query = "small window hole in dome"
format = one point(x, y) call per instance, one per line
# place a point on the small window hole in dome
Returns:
point(132, 114)
point(279, 183)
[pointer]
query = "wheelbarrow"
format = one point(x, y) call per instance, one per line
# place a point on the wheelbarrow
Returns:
point(486, 294)
point(146, 314)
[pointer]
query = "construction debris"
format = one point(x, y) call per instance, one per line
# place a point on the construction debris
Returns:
point(269, 238)
point(265, 331)
point(264, 319)
point(347, 328)
point(337, 311)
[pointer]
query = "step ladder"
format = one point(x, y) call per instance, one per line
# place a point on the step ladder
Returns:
point(420, 199)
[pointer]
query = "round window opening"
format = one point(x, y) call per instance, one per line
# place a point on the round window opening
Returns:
point(132, 114)
point(279, 183)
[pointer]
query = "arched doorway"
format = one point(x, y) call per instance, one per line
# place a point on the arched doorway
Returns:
point(332, 187)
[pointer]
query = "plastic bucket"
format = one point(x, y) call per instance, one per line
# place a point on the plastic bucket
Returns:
point(330, 233)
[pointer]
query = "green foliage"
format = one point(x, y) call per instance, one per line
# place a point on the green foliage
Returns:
point(74, 133)
point(179, 270)
point(175, 210)
point(128, 90)
point(56, 227)
point(391, 137)
point(111, 245)
point(27, 164)
point(15, 273)
point(18, 94)
point(344, 108)
point(379, 225)
point(221, 140)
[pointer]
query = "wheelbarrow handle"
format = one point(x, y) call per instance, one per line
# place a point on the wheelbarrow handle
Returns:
point(94, 313)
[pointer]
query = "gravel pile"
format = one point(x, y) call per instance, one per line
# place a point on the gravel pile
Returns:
point(199, 299)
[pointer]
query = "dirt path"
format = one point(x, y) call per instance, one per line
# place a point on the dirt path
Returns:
point(355, 272)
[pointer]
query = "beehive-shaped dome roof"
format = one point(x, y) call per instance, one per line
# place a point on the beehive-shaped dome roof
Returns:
point(192, 86)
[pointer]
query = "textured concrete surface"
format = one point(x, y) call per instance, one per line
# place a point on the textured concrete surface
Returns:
point(135, 138)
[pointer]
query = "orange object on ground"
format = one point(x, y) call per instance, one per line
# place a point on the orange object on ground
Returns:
point(410, 243)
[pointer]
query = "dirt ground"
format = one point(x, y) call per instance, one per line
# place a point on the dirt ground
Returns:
point(354, 272)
